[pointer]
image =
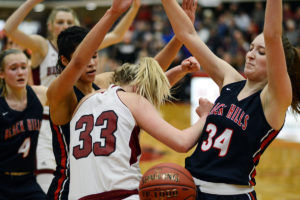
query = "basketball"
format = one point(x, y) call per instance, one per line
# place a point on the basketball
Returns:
point(167, 181)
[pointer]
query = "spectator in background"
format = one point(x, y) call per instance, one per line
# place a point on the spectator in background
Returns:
point(291, 32)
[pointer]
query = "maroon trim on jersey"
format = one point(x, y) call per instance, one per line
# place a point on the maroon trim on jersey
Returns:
point(111, 195)
point(114, 86)
point(44, 171)
point(46, 117)
point(53, 46)
point(134, 145)
point(63, 162)
point(36, 75)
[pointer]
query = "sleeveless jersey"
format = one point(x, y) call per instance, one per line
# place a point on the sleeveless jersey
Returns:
point(48, 66)
point(235, 135)
point(59, 188)
point(19, 132)
point(104, 148)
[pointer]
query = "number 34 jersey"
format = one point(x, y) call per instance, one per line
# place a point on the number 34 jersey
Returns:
point(235, 135)
point(104, 146)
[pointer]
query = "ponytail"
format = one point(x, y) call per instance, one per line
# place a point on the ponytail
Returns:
point(149, 78)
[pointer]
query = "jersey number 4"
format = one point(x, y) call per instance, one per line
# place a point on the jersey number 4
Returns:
point(107, 133)
point(221, 142)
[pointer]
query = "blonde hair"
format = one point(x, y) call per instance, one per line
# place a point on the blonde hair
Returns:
point(54, 12)
point(149, 78)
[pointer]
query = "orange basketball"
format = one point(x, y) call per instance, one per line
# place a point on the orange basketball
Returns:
point(168, 181)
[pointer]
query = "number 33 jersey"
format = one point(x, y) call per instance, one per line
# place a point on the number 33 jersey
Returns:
point(104, 146)
point(235, 135)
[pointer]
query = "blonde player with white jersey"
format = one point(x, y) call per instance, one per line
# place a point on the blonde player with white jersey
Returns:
point(105, 128)
point(107, 158)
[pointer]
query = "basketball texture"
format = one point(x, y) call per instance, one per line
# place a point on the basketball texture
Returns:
point(167, 181)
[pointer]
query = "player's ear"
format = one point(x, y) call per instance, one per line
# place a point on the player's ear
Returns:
point(134, 88)
point(64, 60)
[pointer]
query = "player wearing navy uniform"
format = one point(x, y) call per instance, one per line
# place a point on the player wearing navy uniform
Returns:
point(236, 131)
point(249, 113)
point(59, 188)
point(21, 111)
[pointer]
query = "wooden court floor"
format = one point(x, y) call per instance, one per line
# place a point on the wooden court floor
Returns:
point(278, 173)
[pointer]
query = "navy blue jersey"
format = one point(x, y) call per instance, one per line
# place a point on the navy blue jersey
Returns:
point(235, 135)
point(19, 134)
point(59, 188)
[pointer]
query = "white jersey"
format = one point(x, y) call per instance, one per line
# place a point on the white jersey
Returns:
point(104, 148)
point(48, 66)
point(44, 153)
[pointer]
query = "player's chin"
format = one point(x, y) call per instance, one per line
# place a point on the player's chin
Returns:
point(20, 84)
point(90, 77)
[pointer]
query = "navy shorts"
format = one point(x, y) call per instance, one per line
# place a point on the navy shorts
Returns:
point(22, 187)
point(205, 196)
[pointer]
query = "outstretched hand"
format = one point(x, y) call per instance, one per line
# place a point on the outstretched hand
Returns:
point(190, 7)
point(204, 107)
point(190, 65)
point(120, 6)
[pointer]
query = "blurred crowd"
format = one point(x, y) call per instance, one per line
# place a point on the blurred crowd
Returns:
point(227, 29)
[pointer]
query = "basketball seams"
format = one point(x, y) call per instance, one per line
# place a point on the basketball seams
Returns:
point(167, 180)
point(175, 169)
point(171, 185)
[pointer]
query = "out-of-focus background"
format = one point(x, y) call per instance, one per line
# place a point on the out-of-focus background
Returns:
point(227, 27)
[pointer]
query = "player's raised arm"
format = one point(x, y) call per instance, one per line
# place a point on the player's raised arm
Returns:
point(60, 91)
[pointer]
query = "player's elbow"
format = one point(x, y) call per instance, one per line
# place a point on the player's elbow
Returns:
point(185, 36)
point(183, 146)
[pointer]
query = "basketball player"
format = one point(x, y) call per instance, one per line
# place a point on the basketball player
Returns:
point(21, 111)
point(104, 138)
point(68, 41)
point(7, 43)
point(44, 57)
point(61, 97)
point(249, 113)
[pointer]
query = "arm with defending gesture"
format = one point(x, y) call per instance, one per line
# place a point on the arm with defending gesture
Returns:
point(118, 33)
point(36, 43)
point(60, 92)
point(188, 65)
point(220, 71)
point(166, 56)
point(277, 95)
